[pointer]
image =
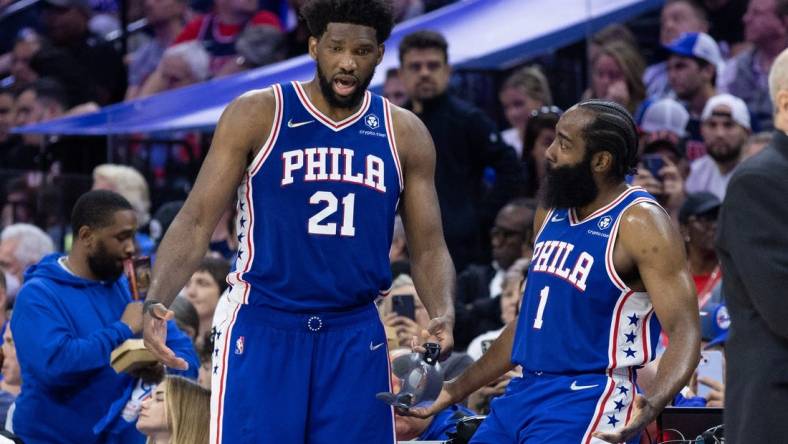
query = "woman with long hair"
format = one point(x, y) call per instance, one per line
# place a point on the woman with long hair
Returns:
point(178, 412)
point(617, 75)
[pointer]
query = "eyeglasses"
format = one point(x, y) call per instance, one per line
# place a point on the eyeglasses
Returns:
point(547, 110)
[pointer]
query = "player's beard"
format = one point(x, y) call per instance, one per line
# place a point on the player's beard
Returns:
point(336, 101)
point(569, 186)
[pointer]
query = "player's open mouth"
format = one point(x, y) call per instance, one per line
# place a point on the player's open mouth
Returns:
point(344, 85)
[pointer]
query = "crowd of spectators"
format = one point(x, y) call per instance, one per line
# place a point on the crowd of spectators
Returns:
point(702, 105)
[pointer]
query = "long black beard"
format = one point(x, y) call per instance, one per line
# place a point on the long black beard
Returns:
point(104, 266)
point(569, 186)
point(336, 101)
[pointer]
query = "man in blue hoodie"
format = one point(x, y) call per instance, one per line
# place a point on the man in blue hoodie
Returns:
point(70, 314)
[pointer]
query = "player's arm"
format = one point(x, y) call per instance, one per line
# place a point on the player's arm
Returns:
point(649, 238)
point(237, 135)
point(431, 265)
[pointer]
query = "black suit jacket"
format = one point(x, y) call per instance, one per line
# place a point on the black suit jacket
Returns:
point(752, 243)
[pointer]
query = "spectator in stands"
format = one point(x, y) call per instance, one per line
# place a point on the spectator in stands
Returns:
point(407, 9)
point(257, 46)
point(67, 27)
point(218, 31)
point(21, 245)
point(522, 93)
point(663, 120)
point(162, 219)
point(203, 290)
point(436, 428)
point(11, 384)
point(224, 241)
point(165, 20)
point(178, 412)
point(6, 117)
point(698, 224)
point(186, 317)
point(43, 100)
point(405, 328)
point(539, 134)
point(746, 75)
point(5, 305)
point(725, 127)
point(755, 144)
point(693, 66)
point(394, 89)
point(70, 314)
point(477, 307)
point(617, 75)
point(611, 33)
point(181, 65)
point(21, 202)
point(27, 44)
point(129, 183)
point(466, 142)
point(677, 17)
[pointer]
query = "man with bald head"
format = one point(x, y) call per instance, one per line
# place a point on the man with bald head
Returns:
point(752, 245)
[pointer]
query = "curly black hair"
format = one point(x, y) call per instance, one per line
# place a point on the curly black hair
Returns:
point(375, 14)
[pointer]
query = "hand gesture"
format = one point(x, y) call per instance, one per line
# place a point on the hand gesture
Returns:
point(444, 400)
point(642, 415)
point(645, 179)
point(404, 328)
point(154, 335)
point(439, 330)
point(716, 397)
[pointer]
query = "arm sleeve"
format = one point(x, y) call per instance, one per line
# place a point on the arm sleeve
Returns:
point(755, 237)
point(182, 345)
point(496, 154)
point(49, 348)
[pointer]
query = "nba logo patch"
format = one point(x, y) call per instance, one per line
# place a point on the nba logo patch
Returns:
point(239, 345)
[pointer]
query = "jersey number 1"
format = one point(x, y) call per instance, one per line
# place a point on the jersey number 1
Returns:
point(316, 224)
point(540, 311)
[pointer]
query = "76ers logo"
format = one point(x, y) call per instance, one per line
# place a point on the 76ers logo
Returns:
point(604, 223)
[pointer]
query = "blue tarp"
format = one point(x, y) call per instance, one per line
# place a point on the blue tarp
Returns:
point(482, 34)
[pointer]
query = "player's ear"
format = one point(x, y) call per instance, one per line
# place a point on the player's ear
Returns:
point(602, 162)
point(381, 51)
point(313, 41)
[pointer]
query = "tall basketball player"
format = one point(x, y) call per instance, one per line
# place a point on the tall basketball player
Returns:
point(320, 169)
point(607, 269)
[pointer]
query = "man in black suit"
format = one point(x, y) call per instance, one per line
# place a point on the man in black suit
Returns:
point(752, 244)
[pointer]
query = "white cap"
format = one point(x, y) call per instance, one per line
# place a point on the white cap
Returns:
point(736, 106)
point(665, 115)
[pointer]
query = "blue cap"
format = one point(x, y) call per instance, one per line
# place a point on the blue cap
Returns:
point(714, 323)
point(698, 45)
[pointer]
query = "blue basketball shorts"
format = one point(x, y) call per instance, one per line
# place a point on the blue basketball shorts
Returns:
point(558, 409)
point(280, 377)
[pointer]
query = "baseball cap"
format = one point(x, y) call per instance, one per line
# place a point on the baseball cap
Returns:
point(714, 322)
point(665, 115)
point(698, 203)
point(738, 109)
point(698, 45)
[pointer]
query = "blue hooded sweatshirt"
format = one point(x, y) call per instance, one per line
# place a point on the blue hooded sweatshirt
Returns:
point(65, 328)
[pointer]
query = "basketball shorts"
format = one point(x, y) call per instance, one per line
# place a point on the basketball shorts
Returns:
point(558, 409)
point(280, 377)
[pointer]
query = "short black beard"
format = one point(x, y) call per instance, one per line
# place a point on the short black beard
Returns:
point(336, 101)
point(569, 186)
point(104, 266)
point(725, 157)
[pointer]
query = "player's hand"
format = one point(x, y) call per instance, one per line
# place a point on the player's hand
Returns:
point(154, 336)
point(716, 397)
point(439, 330)
point(642, 415)
point(444, 400)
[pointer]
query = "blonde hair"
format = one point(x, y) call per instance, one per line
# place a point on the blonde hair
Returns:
point(778, 76)
point(532, 81)
point(632, 65)
point(188, 410)
point(130, 184)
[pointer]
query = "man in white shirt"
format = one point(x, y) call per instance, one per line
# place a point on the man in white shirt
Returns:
point(725, 127)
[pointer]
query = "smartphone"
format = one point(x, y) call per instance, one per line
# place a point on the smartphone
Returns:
point(653, 163)
point(403, 305)
point(711, 367)
point(138, 272)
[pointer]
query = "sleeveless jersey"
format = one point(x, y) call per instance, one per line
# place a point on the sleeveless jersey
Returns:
point(577, 315)
point(316, 208)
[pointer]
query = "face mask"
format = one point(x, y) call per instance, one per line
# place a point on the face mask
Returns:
point(12, 285)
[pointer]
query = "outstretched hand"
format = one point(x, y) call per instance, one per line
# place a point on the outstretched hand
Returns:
point(154, 336)
point(642, 415)
point(444, 400)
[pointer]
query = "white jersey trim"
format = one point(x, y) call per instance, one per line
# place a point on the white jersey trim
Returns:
point(324, 119)
point(273, 134)
point(393, 142)
point(224, 321)
point(573, 219)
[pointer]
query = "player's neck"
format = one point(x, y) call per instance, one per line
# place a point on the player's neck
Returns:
point(315, 95)
point(607, 193)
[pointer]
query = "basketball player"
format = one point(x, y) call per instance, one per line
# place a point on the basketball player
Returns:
point(320, 169)
point(608, 268)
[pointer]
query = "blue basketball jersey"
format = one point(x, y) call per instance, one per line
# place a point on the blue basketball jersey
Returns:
point(316, 208)
point(577, 315)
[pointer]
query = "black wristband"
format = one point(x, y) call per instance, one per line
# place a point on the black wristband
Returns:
point(146, 306)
